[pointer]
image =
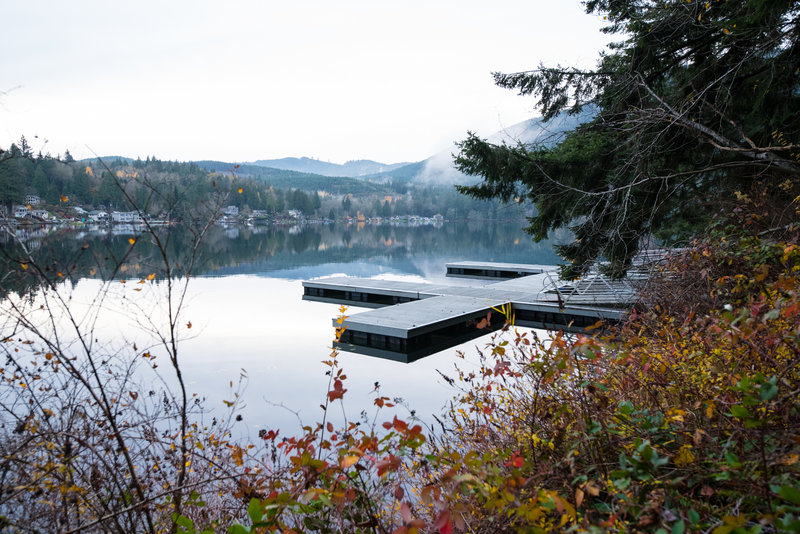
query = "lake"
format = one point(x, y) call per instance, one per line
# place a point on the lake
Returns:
point(248, 318)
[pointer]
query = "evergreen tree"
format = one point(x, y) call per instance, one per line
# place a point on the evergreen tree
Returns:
point(10, 186)
point(696, 102)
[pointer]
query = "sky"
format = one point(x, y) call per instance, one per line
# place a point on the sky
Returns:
point(244, 80)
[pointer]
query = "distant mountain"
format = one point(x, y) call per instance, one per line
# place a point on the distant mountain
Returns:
point(367, 176)
point(439, 168)
point(352, 169)
point(287, 179)
point(107, 159)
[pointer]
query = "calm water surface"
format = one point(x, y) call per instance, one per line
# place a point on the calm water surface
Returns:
point(248, 317)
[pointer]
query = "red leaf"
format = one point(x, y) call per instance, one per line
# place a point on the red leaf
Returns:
point(443, 523)
point(389, 463)
point(405, 513)
point(399, 424)
point(337, 392)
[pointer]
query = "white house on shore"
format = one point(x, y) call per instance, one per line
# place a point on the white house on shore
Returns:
point(127, 217)
point(98, 216)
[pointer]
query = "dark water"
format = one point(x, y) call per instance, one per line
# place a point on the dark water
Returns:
point(246, 311)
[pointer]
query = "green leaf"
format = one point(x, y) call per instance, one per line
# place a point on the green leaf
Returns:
point(732, 460)
point(679, 527)
point(768, 391)
point(183, 521)
point(790, 493)
point(622, 483)
point(694, 517)
point(254, 510)
point(740, 411)
point(238, 529)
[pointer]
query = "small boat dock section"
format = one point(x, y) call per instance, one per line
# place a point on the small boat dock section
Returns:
point(416, 319)
point(483, 270)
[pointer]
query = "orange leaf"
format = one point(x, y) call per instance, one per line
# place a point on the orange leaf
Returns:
point(241, 190)
point(151, 276)
point(64, 198)
point(131, 240)
point(189, 324)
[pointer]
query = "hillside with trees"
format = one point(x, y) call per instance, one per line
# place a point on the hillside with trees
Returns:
point(163, 189)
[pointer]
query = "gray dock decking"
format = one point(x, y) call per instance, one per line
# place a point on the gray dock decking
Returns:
point(416, 319)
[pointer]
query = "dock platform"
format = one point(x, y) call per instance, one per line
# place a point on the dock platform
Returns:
point(476, 269)
point(415, 319)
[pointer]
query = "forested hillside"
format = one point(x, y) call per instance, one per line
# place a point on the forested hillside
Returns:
point(167, 188)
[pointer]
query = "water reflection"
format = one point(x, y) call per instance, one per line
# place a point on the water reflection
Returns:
point(247, 309)
point(285, 252)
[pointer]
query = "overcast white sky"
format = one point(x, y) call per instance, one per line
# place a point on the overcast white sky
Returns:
point(245, 80)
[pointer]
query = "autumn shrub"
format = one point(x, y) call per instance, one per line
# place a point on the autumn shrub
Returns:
point(676, 422)
point(98, 431)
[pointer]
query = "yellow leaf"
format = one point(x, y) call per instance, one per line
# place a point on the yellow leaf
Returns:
point(241, 190)
point(24, 266)
point(131, 240)
point(151, 276)
point(726, 31)
point(592, 489)
point(64, 198)
point(684, 456)
point(349, 461)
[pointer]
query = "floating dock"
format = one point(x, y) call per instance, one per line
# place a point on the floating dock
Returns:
point(483, 270)
point(416, 319)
